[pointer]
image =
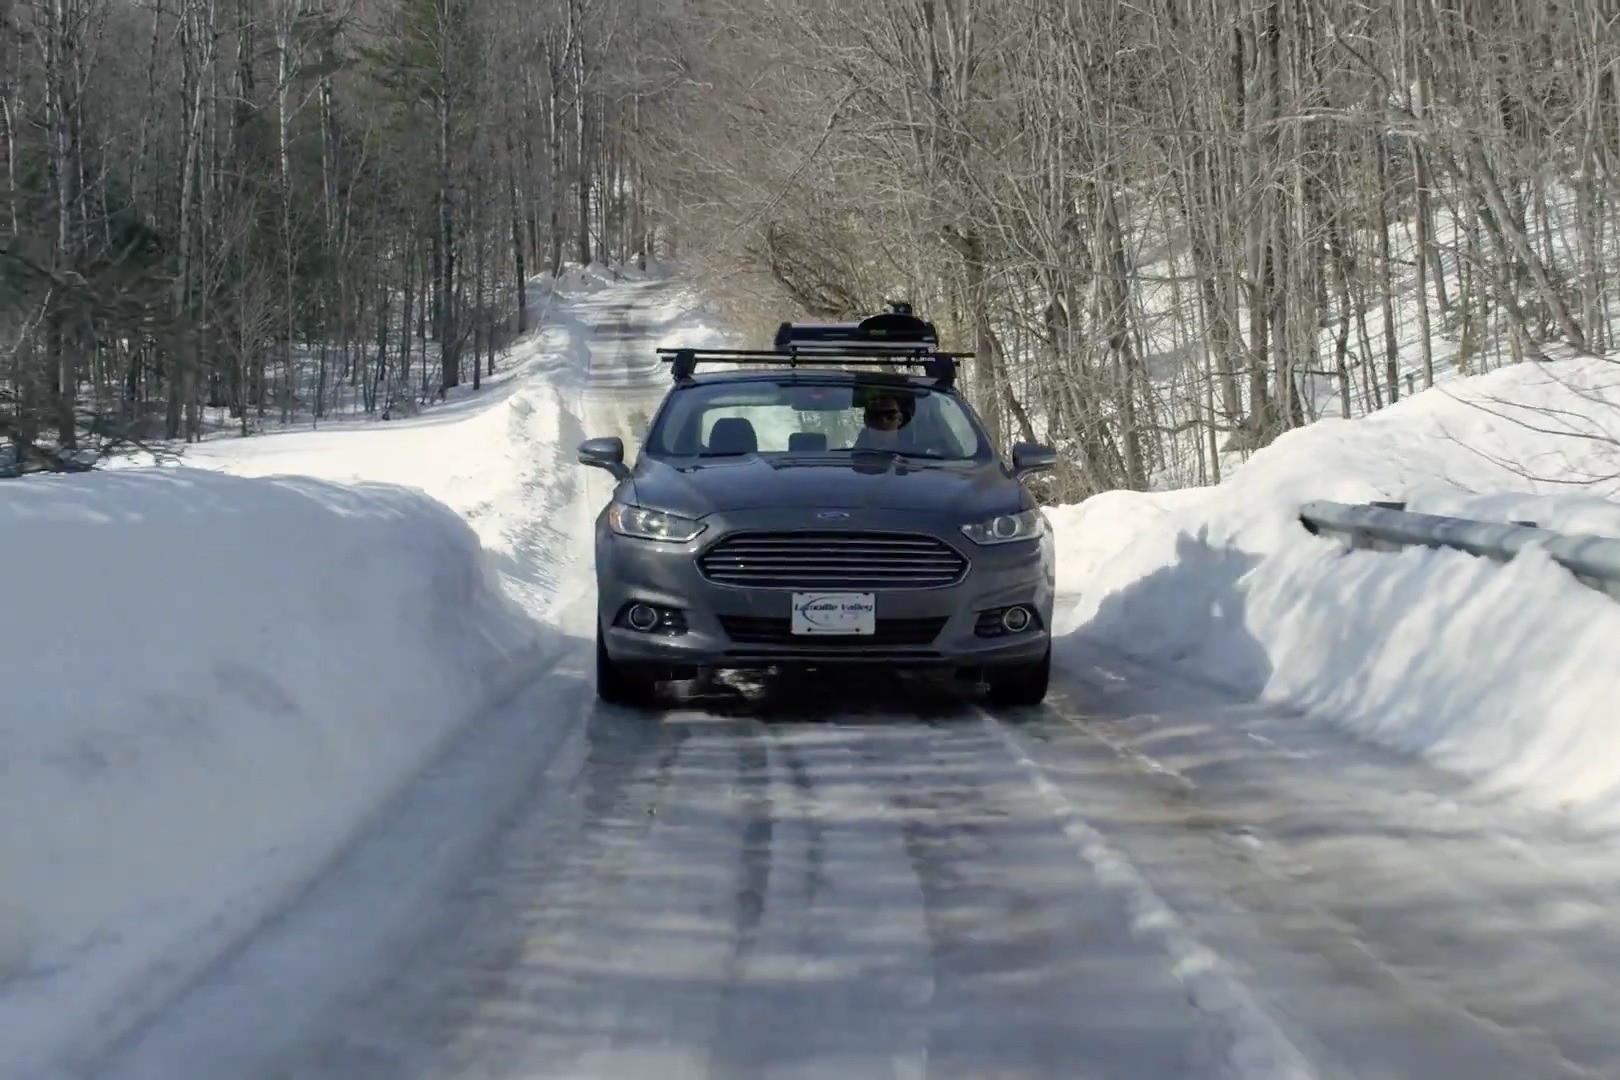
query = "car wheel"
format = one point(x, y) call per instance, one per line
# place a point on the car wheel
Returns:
point(621, 684)
point(1014, 685)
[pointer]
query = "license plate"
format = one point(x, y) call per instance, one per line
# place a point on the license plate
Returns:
point(834, 613)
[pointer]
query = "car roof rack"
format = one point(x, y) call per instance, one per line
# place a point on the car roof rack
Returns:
point(892, 338)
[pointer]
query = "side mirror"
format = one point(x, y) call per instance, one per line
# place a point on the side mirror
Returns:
point(1031, 457)
point(607, 453)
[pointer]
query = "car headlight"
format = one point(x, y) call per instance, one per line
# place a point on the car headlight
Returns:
point(644, 524)
point(1007, 528)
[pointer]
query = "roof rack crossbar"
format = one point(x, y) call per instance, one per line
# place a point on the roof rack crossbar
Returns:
point(938, 365)
point(893, 337)
point(877, 354)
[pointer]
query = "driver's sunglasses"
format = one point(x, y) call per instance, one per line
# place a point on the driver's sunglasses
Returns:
point(886, 414)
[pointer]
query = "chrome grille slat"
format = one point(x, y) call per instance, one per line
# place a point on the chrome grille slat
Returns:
point(833, 560)
point(784, 543)
point(826, 581)
point(854, 555)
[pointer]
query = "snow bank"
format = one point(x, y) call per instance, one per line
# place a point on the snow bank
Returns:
point(686, 321)
point(1502, 673)
point(209, 683)
point(504, 458)
point(503, 466)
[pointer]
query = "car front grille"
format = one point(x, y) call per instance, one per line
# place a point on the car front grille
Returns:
point(890, 633)
point(833, 560)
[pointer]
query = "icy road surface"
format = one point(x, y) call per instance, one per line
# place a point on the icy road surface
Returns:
point(1141, 880)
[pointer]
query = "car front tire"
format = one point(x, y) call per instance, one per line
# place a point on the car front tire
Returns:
point(620, 683)
point(1020, 685)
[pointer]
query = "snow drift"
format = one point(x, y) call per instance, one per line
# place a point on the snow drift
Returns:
point(1502, 673)
point(501, 462)
point(210, 682)
point(504, 456)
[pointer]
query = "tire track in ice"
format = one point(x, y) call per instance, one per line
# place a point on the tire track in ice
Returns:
point(1260, 1048)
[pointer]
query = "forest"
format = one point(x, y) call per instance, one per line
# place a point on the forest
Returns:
point(1170, 229)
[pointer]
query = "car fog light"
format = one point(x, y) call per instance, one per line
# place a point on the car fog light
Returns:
point(1015, 619)
point(642, 617)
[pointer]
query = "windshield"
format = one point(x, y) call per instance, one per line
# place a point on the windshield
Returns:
point(796, 416)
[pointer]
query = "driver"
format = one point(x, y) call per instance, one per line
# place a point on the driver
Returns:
point(883, 420)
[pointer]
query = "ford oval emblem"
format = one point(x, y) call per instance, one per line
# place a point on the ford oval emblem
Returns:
point(831, 515)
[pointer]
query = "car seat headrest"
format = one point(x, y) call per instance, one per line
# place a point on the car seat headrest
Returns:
point(732, 435)
point(807, 441)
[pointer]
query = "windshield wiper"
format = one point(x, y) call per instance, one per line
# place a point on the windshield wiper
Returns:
point(892, 454)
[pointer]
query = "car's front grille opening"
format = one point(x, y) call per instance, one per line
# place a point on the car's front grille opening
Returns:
point(890, 633)
point(833, 560)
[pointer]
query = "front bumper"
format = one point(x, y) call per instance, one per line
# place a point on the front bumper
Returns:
point(729, 626)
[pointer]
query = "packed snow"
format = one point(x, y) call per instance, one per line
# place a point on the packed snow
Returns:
point(217, 672)
point(503, 464)
point(210, 683)
point(1502, 673)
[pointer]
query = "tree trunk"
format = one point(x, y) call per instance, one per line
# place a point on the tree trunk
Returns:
point(520, 272)
point(446, 330)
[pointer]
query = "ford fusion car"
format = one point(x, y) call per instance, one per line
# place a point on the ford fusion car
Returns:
point(811, 506)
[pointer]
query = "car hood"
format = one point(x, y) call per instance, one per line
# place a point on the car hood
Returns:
point(695, 488)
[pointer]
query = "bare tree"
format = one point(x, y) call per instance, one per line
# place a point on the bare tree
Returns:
point(289, 204)
point(1171, 229)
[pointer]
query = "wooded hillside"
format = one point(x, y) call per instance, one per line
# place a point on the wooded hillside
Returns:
point(264, 205)
point(1174, 227)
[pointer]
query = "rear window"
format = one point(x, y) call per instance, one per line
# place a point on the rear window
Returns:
point(788, 416)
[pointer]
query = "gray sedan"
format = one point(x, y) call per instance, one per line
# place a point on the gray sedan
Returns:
point(813, 515)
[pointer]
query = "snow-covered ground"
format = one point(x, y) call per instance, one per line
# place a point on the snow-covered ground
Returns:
point(216, 672)
point(1504, 674)
point(210, 681)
